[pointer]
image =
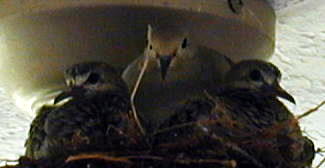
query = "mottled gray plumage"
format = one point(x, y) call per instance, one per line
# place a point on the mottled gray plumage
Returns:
point(94, 120)
point(178, 68)
point(246, 112)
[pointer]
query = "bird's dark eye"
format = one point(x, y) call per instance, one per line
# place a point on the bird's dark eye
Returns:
point(184, 43)
point(255, 75)
point(93, 78)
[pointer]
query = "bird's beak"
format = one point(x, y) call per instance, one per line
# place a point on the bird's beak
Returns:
point(73, 92)
point(164, 65)
point(279, 91)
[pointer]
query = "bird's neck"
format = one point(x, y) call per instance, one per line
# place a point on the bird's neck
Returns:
point(235, 90)
point(100, 96)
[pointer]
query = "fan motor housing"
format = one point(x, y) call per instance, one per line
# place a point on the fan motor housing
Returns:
point(39, 39)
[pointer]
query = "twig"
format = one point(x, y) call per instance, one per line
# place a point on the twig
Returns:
point(126, 159)
point(97, 156)
point(228, 163)
point(207, 94)
point(175, 127)
point(320, 150)
point(310, 111)
point(8, 160)
point(321, 163)
point(134, 91)
point(206, 122)
point(243, 153)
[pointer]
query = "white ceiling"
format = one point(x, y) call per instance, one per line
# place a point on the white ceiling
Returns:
point(281, 4)
point(300, 54)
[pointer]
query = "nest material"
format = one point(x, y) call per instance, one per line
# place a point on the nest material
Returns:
point(182, 145)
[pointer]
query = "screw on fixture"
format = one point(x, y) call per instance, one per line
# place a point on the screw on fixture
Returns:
point(236, 6)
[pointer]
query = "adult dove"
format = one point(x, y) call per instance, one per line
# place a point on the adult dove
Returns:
point(178, 68)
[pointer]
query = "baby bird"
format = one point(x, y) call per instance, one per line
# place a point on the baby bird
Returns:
point(94, 119)
point(246, 112)
point(177, 69)
point(251, 90)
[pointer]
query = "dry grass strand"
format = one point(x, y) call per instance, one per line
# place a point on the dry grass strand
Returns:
point(134, 91)
point(310, 111)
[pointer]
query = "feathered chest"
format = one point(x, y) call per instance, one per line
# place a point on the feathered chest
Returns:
point(255, 109)
point(103, 107)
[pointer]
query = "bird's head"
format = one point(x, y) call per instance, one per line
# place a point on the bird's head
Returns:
point(166, 45)
point(257, 75)
point(91, 78)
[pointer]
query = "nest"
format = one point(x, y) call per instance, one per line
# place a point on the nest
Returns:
point(186, 145)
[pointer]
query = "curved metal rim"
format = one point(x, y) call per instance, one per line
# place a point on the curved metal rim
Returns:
point(260, 17)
